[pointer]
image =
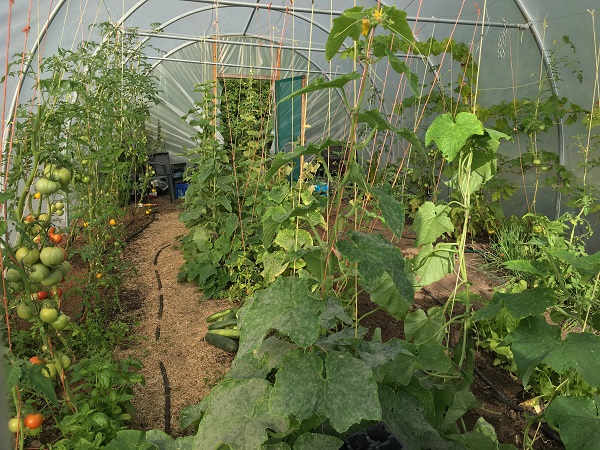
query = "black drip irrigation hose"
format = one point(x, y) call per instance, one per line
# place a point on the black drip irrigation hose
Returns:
point(157, 333)
point(158, 279)
point(161, 303)
point(131, 236)
point(158, 253)
point(163, 371)
point(498, 395)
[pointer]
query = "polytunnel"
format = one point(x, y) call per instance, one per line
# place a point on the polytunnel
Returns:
point(451, 127)
point(522, 48)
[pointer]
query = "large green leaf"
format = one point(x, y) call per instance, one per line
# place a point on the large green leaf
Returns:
point(341, 389)
point(404, 413)
point(422, 327)
point(522, 304)
point(39, 382)
point(392, 362)
point(283, 158)
point(588, 264)
point(376, 121)
point(402, 67)
point(484, 167)
point(344, 26)
point(535, 342)
point(130, 439)
point(292, 240)
point(431, 222)
point(315, 441)
point(321, 83)
point(398, 24)
point(287, 306)
point(432, 264)
point(163, 441)
point(577, 418)
point(392, 210)
point(274, 264)
point(451, 135)
point(237, 415)
point(381, 267)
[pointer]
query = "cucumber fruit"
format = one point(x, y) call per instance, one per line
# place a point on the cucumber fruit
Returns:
point(222, 342)
point(223, 323)
point(227, 332)
point(221, 315)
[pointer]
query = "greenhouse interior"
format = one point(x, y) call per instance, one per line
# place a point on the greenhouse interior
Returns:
point(297, 224)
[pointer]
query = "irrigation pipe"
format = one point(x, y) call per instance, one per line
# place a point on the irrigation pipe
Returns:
point(499, 395)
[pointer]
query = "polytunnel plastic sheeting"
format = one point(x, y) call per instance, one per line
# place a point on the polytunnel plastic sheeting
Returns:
point(514, 48)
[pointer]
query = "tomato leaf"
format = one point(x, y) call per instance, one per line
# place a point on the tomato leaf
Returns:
point(286, 306)
point(39, 382)
point(451, 135)
point(341, 388)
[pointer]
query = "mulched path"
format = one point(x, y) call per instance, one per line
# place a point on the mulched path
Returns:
point(180, 367)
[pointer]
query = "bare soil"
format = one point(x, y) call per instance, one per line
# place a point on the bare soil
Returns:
point(180, 368)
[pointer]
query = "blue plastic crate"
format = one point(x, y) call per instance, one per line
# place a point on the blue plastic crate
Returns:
point(180, 189)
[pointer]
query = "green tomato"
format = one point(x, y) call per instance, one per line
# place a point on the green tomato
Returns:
point(59, 212)
point(44, 218)
point(24, 311)
point(59, 205)
point(14, 424)
point(65, 267)
point(28, 256)
point(86, 179)
point(65, 361)
point(40, 271)
point(84, 162)
point(12, 275)
point(61, 322)
point(50, 370)
point(544, 168)
point(34, 431)
point(537, 162)
point(52, 256)
point(64, 176)
point(46, 187)
point(53, 278)
point(48, 315)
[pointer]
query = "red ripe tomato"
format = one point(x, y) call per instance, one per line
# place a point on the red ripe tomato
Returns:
point(42, 295)
point(56, 238)
point(33, 421)
point(35, 360)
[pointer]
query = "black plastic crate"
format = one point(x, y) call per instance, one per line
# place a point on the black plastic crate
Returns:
point(376, 437)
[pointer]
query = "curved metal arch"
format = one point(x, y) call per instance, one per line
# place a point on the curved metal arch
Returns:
point(188, 43)
point(554, 88)
point(27, 65)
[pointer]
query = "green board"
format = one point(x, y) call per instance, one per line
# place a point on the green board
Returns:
point(288, 119)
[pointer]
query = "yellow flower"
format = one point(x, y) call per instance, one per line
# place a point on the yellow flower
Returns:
point(98, 275)
point(365, 26)
point(378, 15)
